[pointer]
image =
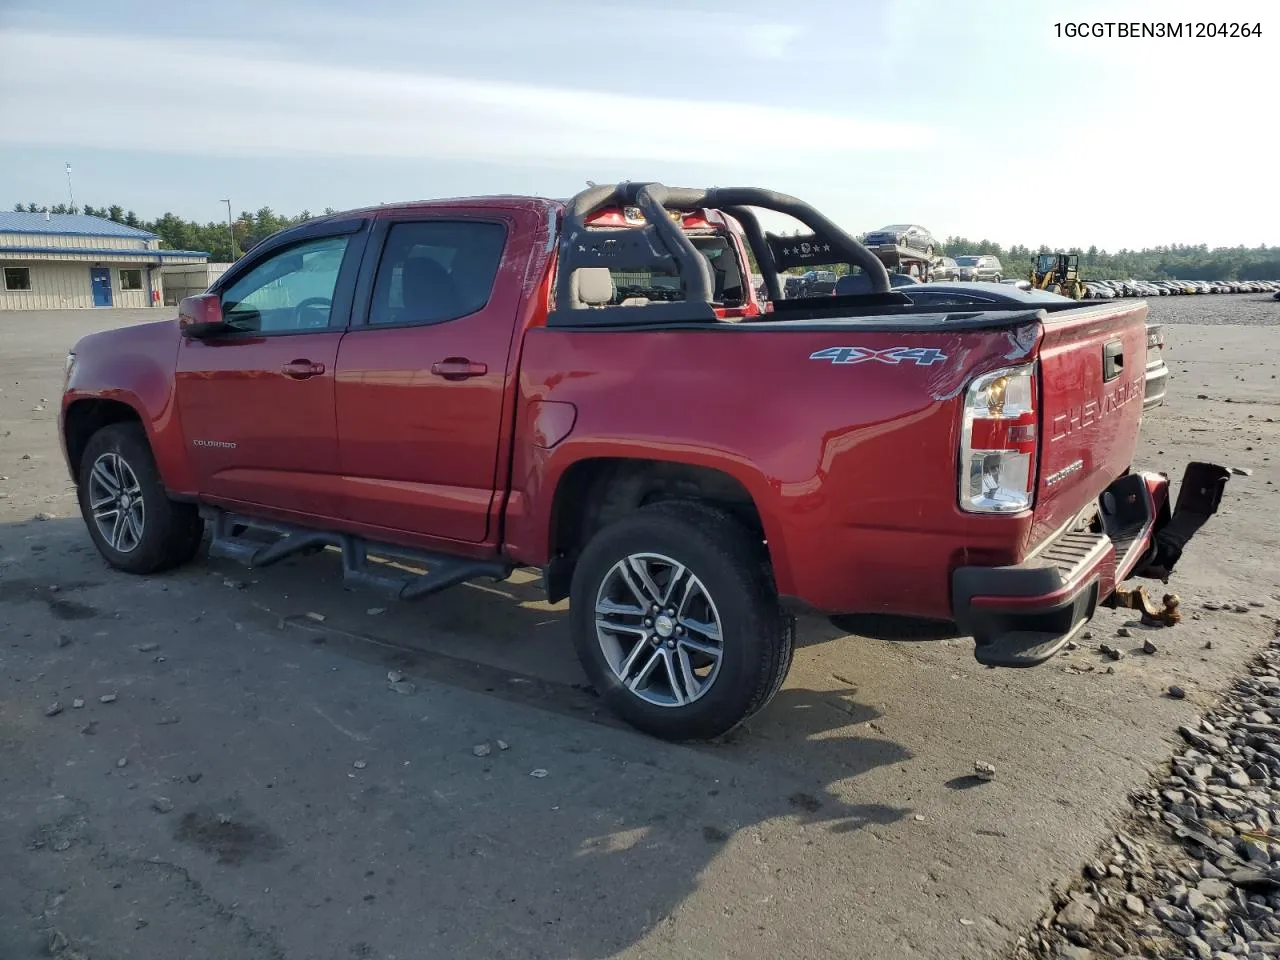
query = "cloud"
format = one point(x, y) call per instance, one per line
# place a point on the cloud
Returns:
point(223, 99)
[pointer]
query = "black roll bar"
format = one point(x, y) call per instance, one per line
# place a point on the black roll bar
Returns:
point(661, 243)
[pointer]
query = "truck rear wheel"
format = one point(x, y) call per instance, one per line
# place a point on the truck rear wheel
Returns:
point(132, 521)
point(676, 620)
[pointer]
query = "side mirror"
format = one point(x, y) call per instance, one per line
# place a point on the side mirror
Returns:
point(201, 317)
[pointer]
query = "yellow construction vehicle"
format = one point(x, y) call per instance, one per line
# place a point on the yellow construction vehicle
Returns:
point(1058, 273)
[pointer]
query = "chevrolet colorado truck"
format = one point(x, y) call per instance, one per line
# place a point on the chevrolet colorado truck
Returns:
point(444, 391)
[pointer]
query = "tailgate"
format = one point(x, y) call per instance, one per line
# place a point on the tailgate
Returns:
point(1092, 383)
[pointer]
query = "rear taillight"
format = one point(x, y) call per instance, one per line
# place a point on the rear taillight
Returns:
point(998, 442)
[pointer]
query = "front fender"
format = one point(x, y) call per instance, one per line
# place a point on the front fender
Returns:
point(133, 366)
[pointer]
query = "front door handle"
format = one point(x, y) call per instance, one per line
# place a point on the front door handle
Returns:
point(302, 369)
point(458, 368)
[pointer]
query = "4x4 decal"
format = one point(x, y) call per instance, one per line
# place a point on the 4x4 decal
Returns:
point(920, 356)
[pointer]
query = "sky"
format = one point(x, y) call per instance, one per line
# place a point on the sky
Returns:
point(970, 117)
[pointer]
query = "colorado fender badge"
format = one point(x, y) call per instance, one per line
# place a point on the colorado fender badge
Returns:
point(920, 356)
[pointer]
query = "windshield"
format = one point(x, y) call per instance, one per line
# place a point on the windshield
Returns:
point(894, 226)
point(967, 261)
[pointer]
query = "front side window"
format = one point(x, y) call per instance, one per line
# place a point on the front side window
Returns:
point(292, 290)
point(130, 279)
point(17, 278)
point(434, 271)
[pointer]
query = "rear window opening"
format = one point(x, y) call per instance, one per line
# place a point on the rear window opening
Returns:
point(636, 286)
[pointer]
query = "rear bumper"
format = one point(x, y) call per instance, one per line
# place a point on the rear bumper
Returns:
point(1157, 384)
point(1021, 615)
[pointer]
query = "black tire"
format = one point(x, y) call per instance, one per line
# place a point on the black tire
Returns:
point(757, 637)
point(171, 531)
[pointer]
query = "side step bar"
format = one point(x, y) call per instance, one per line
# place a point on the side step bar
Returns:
point(231, 542)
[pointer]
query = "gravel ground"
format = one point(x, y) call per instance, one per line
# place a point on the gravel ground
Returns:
point(1248, 309)
point(230, 776)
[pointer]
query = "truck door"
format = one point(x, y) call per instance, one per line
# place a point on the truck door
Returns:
point(257, 404)
point(423, 373)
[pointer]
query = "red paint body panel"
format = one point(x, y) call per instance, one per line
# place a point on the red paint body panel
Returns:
point(1083, 418)
point(853, 468)
point(419, 453)
point(285, 451)
point(134, 366)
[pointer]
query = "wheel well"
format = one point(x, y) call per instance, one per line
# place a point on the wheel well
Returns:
point(594, 493)
point(84, 418)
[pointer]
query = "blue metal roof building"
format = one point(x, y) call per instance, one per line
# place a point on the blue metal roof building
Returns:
point(61, 260)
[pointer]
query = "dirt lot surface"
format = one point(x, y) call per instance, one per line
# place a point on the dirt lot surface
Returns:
point(226, 775)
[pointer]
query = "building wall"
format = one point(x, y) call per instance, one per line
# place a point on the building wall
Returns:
point(189, 280)
point(58, 285)
point(73, 242)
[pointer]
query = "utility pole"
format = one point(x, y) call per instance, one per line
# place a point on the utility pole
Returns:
point(231, 229)
point(70, 193)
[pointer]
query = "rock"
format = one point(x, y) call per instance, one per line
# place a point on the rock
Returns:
point(1240, 608)
point(359, 764)
point(1149, 646)
point(1135, 905)
point(53, 709)
point(1096, 870)
point(46, 516)
point(1202, 906)
point(1109, 651)
point(194, 777)
point(480, 750)
point(503, 745)
point(1216, 889)
point(1123, 632)
point(77, 704)
point(107, 698)
point(62, 640)
point(376, 611)
point(983, 770)
point(147, 647)
point(90, 728)
point(162, 805)
point(317, 617)
point(403, 687)
point(122, 762)
point(538, 774)
point(1255, 852)
point(1177, 693)
point(1081, 913)
point(1239, 779)
point(1069, 951)
point(394, 676)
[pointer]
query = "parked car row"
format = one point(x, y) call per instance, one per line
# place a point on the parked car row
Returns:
point(1110, 289)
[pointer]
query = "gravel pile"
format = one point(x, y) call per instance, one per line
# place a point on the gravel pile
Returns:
point(1197, 872)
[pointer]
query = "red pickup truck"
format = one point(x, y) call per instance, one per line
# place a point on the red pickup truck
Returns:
point(448, 390)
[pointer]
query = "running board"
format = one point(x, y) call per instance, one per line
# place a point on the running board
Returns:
point(232, 542)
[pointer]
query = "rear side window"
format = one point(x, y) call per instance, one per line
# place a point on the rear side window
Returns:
point(435, 271)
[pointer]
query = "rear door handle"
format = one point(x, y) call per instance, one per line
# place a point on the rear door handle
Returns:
point(458, 368)
point(302, 369)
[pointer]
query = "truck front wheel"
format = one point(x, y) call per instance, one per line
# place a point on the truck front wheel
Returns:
point(676, 620)
point(134, 524)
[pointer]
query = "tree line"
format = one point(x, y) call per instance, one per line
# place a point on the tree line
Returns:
point(1180, 261)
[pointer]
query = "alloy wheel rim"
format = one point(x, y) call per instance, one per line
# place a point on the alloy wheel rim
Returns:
point(659, 629)
point(115, 501)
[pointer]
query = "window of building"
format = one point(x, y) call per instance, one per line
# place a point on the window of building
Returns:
point(130, 279)
point(435, 271)
point(291, 290)
point(17, 278)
